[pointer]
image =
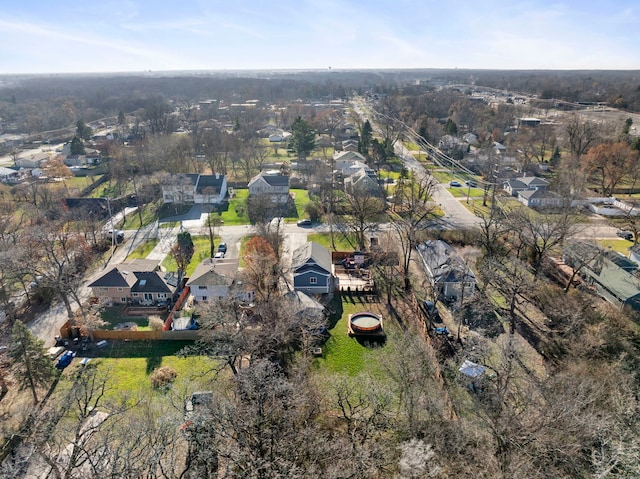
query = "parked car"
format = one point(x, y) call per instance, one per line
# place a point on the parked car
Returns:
point(455, 184)
point(115, 235)
point(624, 234)
point(65, 359)
point(471, 183)
point(305, 222)
point(222, 248)
point(219, 255)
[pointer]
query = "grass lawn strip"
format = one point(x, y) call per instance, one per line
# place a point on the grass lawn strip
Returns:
point(341, 242)
point(344, 354)
point(143, 250)
point(202, 250)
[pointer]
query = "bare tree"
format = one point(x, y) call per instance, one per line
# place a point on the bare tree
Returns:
point(415, 213)
point(59, 257)
point(581, 136)
point(512, 278)
point(542, 232)
point(609, 163)
point(362, 210)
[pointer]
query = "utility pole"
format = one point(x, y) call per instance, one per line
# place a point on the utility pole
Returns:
point(113, 231)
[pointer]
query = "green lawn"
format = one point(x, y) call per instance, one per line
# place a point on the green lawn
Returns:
point(149, 215)
point(341, 242)
point(344, 354)
point(301, 198)
point(129, 365)
point(236, 214)
point(389, 174)
point(113, 316)
point(619, 245)
point(462, 192)
point(442, 176)
point(143, 250)
point(201, 251)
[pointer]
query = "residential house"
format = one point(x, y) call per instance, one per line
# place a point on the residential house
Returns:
point(192, 188)
point(75, 160)
point(350, 145)
point(446, 270)
point(9, 175)
point(612, 275)
point(514, 186)
point(634, 253)
point(138, 281)
point(279, 137)
point(305, 306)
point(32, 161)
point(540, 199)
point(348, 156)
point(9, 140)
point(345, 159)
point(470, 139)
point(499, 148)
point(450, 144)
point(528, 122)
point(312, 269)
point(272, 184)
point(215, 279)
point(364, 179)
point(267, 130)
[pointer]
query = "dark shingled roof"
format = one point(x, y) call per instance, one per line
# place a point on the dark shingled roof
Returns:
point(276, 180)
point(209, 181)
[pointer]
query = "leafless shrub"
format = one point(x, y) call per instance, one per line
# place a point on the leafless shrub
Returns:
point(163, 377)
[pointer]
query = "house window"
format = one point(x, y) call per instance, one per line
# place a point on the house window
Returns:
point(313, 280)
point(202, 286)
point(204, 298)
point(135, 295)
point(119, 289)
point(123, 300)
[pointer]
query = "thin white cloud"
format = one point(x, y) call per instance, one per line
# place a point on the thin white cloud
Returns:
point(76, 37)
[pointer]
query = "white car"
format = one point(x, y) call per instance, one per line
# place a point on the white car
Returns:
point(219, 255)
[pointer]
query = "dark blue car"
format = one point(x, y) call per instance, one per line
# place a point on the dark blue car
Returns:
point(65, 359)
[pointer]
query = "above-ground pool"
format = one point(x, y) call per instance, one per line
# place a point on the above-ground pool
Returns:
point(365, 322)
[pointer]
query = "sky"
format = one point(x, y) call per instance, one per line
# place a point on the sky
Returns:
point(70, 36)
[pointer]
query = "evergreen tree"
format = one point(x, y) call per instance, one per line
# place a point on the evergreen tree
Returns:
point(366, 135)
point(121, 118)
point(77, 146)
point(32, 365)
point(450, 128)
point(303, 138)
point(83, 131)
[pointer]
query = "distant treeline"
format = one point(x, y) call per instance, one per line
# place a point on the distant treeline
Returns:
point(35, 103)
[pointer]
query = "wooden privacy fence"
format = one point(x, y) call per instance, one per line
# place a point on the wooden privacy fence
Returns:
point(146, 335)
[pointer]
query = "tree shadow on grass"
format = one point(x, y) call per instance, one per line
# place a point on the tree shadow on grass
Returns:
point(153, 362)
point(334, 308)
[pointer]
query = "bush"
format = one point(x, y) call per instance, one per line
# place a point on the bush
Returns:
point(155, 323)
point(163, 377)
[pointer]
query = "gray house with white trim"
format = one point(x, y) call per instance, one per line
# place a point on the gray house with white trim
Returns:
point(447, 272)
point(312, 269)
point(273, 185)
point(189, 188)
